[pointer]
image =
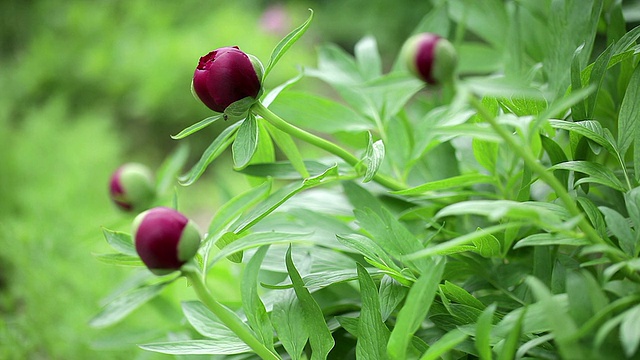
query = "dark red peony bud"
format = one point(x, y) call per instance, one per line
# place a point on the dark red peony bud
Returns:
point(430, 57)
point(131, 187)
point(165, 239)
point(225, 76)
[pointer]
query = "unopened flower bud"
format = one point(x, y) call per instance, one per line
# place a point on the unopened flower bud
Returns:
point(225, 76)
point(430, 57)
point(165, 239)
point(132, 187)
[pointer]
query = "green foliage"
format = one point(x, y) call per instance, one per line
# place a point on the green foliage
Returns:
point(494, 217)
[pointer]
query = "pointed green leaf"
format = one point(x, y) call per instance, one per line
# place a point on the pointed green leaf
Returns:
point(213, 151)
point(373, 334)
point(483, 333)
point(598, 173)
point(246, 143)
point(197, 347)
point(171, 167)
point(120, 241)
point(415, 308)
point(447, 342)
point(319, 335)
point(226, 239)
point(286, 43)
point(258, 239)
point(289, 322)
point(197, 127)
point(252, 305)
point(125, 304)
point(620, 228)
point(628, 115)
point(391, 294)
point(450, 183)
point(120, 259)
point(289, 149)
point(372, 159)
point(630, 331)
point(207, 324)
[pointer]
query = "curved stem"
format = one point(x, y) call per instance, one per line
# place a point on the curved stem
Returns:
point(317, 141)
point(228, 317)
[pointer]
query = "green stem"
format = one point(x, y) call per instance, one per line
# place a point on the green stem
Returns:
point(550, 180)
point(540, 170)
point(228, 317)
point(317, 141)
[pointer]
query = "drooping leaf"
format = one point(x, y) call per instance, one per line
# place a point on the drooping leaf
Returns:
point(319, 335)
point(246, 142)
point(598, 173)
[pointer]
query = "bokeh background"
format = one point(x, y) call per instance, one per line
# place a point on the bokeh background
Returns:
point(88, 85)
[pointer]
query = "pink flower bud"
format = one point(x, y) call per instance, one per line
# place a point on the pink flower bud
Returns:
point(165, 239)
point(430, 57)
point(131, 187)
point(225, 76)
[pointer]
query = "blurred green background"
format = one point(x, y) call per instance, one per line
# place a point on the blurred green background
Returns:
point(88, 85)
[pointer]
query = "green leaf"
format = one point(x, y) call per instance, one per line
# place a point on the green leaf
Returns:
point(226, 239)
point(320, 114)
point(258, 239)
point(589, 129)
point(125, 304)
point(208, 325)
point(120, 242)
point(319, 335)
point(252, 305)
point(578, 110)
point(286, 43)
point(458, 244)
point(213, 151)
point(170, 169)
point(483, 333)
point(390, 234)
point(450, 183)
point(372, 159)
point(620, 228)
point(197, 347)
point(239, 110)
point(630, 331)
point(487, 246)
point(120, 259)
point(550, 240)
point(279, 197)
point(391, 294)
point(562, 326)
point(246, 143)
point(373, 334)
point(597, 77)
point(369, 248)
point(197, 127)
point(289, 322)
point(628, 116)
point(447, 342)
point(510, 345)
point(289, 149)
point(598, 173)
point(461, 296)
point(368, 58)
point(273, 94)
point(230, 210)
point(415, 308)
point(284, 170)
